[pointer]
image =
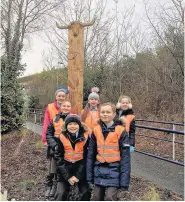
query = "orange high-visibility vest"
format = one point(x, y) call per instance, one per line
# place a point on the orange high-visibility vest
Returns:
point(52, 110)
point(58, 126)
point(129, 118)
point(92, 118)
point(108, 149)
point(70, 154)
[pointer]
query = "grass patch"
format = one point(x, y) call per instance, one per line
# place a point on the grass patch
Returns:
point(151, 195)
point(4, 137)
point(27, 184)
point(23, 132)
point(39, 144)
point(3, 197)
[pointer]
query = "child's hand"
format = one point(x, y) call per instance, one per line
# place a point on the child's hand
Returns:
point(123, 119)
point(71, 180)
point(76, 179)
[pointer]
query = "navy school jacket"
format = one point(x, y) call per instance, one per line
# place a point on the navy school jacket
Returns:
point(116, 174)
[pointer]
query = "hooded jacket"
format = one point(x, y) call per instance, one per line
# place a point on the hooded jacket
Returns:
point(132, 127)
point(114, 174)
point(68, 169)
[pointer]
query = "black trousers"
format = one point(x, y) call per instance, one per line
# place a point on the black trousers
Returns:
point(63, 191)
point(110, 194)
point(52, 172)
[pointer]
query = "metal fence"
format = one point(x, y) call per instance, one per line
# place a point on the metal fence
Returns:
point(37, 115)
point(169, 132)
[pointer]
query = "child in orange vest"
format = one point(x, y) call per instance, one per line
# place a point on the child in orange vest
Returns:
point(90, 114)
point(126, 115)
point(108, 159)
point(51, 111)
point(53, 131)
point(70, 156)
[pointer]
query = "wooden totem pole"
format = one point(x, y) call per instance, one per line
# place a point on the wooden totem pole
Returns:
point(76, 62)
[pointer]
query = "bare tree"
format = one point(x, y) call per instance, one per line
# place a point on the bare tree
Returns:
point(168, 19)
point(19, 20)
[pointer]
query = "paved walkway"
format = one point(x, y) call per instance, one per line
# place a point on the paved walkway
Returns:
point(163, 173)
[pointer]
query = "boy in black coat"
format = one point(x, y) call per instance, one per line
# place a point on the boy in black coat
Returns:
point(108, 159)
point(70, 157)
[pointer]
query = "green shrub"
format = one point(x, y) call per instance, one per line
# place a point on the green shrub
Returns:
point(12, 103)
point(27, 184)
point(39, 144)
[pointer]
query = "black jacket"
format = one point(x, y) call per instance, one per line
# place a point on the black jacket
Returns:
point(116, 174)
point(132, 124)
point(65, 169)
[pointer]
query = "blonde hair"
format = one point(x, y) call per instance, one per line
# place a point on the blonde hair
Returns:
point(124, 96)
point(65, 102)
point(109, 104)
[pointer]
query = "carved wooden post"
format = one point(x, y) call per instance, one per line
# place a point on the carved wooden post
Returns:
point(76, 62)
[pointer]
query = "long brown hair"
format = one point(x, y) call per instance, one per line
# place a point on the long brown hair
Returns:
point(85, 112)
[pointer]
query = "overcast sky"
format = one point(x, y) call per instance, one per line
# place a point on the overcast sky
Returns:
point(33, 55)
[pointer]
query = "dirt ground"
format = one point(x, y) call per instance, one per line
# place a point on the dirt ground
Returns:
point(24, 167)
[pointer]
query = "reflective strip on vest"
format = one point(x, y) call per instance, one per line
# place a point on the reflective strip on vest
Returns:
point(108, 155)
point(108, 149)
point(74, 154)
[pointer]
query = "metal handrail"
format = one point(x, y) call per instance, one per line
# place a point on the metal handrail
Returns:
point(164, 122)
point(159, 157)
point(40, 113)
point(161, 129)
point(157, 138)
point(173, 131)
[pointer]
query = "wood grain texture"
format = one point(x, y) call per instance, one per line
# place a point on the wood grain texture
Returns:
point(76, 65)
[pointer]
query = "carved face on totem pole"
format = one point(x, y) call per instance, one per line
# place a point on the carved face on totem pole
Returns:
point(75, 27)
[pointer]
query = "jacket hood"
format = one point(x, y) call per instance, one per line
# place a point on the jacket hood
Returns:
point(125, 112)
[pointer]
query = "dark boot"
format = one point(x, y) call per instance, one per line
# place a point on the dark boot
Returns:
point(49, 183)
point(53, 188)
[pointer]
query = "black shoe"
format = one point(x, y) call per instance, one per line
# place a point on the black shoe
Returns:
point(48, 183)
point(53, 189)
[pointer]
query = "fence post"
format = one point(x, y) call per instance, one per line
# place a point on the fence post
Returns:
point(35, 117)
point(173, 143)
point(40, 118)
